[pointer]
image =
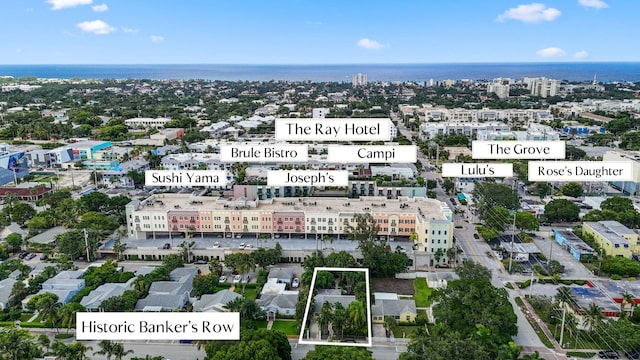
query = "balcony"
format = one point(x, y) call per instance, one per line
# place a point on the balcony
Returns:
point(393, 223)
point(137, 219)
point(245, 221)
point(226, 221)
point(192, 221)
point(298, 222)
point(175, 228)
point(279, 221)
point(330, 222)
point(313, 222)
point(313, 228)
point(174, 220)
point(330, 230)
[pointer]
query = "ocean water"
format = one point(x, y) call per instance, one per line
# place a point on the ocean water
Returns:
point(583, 71)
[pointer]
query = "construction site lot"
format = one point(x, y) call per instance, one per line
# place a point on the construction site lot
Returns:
point(393, 285)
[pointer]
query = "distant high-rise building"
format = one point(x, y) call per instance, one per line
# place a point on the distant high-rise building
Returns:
point(542, 86)
point(500, 87)
point(359, 80)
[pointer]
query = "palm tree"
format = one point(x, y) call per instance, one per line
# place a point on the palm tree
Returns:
point(627, 298)
point(106, 349)
point(593, 317)
point(119, 352)
point(509, 351)
point(119, 248)
point(245, 265)
point(566, 296)
point(390, 324)
point(77, 351)
point(357, 315)
point(325, 317)
point(451, 255)
point(340, 317)
point(49, 309)
point(186, 250)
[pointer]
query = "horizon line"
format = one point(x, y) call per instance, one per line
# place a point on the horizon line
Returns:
point(343, 64)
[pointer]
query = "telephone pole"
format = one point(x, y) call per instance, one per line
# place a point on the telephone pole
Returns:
point(86, 243)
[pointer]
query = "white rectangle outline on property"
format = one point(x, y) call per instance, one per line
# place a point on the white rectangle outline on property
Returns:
point(306, 312)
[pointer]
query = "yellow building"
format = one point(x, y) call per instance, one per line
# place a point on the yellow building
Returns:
point(401, 310)
point(613, 238)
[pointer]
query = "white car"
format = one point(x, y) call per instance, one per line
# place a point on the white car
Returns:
point(248, 246)
point(246, 279)
point(223, 278)
point(237, 279)
point(241, 246)
point(216, 244)
point(295, 283)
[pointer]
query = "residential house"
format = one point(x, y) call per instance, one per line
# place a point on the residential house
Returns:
point(12, 228)
point(6, 287)
point(65, 285)
point(332, 296)
point(280, 304)
point(215, 302)
point(281, 275)
point(94, 299)
point(401, 310)
point(169, 295)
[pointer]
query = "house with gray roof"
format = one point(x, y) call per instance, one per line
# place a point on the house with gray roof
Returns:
point(284, 304)
point(401, 310)
point(169, 295)
point(12, 228)
point(6, 286)
point(48, 236)
point(65, 284)
point(215, 302)
point(281, 275)
point(332, 296)
point(94, 299)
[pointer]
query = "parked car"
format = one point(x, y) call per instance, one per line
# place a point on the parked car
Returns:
point(295, 283)
point(237, 279)
point(23, 255)
point(30, 256)
point(246, 279)
point(248, 246)
point(200, 262)
point(223, 279)
point(608, 354)
point(167, 246)
point(43, 257)
point(241, 246)
point(216, 244)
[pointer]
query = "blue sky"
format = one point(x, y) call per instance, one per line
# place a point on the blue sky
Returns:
point(316, 32)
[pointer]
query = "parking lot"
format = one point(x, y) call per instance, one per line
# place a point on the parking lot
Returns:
point(552, 251)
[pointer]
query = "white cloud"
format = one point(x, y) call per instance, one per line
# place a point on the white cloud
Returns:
point(581, 54)
point(369, 44)
point(97, 27)
point(18, 51)
point(130, 30)
point(157, 38)
point(100, 8)
point(598, 4)
point(61, 4)
point(551, 52)
point(530, 13)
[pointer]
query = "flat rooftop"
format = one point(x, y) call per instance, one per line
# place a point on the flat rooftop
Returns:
point(607, 232)
point(427, 209)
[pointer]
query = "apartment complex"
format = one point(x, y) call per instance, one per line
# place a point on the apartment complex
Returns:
point(627, 187)
point(613, 238)
point(164, 215)
point(359, 79)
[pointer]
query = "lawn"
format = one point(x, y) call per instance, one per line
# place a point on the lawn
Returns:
point(399, 331)
point(423, 293)
point(249, 293)
point(286, 326)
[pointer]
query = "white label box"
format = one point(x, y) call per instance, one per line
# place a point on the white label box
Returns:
point(353, 154)
point(499, 150)
point(264, 153)
point(157, 326)
point(185, 178)
point(580, 171)
point(348, 129)
point(307, 178)
point(478, 170)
